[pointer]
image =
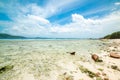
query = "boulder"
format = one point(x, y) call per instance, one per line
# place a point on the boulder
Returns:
point(95, 57)
point(115, 55)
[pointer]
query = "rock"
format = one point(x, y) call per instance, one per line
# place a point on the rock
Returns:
point(106, 79)
point(114, 55)
point(72, 53)
point(115, 67)
point(104, 74)
point(95, 57)
point(97, 74)
point(6, 68)
point(69, 78)
point(113, 50)
point(65, 73)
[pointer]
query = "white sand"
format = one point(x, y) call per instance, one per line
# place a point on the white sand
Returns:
point(50, 60)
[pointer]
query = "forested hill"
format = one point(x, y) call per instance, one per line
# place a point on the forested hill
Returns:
point(8, 36)
point(115, 35)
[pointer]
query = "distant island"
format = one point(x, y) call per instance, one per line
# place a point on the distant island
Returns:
point(8, 36)
point(115, 35)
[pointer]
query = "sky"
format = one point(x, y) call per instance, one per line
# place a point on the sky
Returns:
point(60, 18)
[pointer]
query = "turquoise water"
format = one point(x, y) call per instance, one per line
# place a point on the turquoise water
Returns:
point(10, 46)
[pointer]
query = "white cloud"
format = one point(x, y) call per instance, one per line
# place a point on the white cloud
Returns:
point(80, 19)
point(29, 25)
point(77, 18)
point(54, 6)
point(117, 3)
point(32, 25)
point(60, 29)
point(82, 27)
point(38, 19)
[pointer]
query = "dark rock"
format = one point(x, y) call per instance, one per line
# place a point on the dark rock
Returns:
point(115, 55)
point(72, 53)
point(115, 47)
point(113, 50)
point(99, 60)
point(6, 68)
point(65, 73)
point(114, 67)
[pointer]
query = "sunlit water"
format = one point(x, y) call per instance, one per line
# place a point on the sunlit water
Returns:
point(38, 57)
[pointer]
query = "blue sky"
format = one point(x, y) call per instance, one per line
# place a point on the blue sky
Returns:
point(60, 18)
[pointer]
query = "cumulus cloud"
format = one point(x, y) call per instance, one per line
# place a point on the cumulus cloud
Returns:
point(117, 3)
point(38, 19)
point(31, 25)
point(80, 19)
point(53, 6)
point(62, 29)
point(82, 27)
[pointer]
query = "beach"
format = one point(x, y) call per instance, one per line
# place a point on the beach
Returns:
point(59, 59)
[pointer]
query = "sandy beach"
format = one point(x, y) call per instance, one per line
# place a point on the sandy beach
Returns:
point(52, 60)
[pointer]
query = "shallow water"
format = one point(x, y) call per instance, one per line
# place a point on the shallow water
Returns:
point(39, 56)
point(22, 46)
